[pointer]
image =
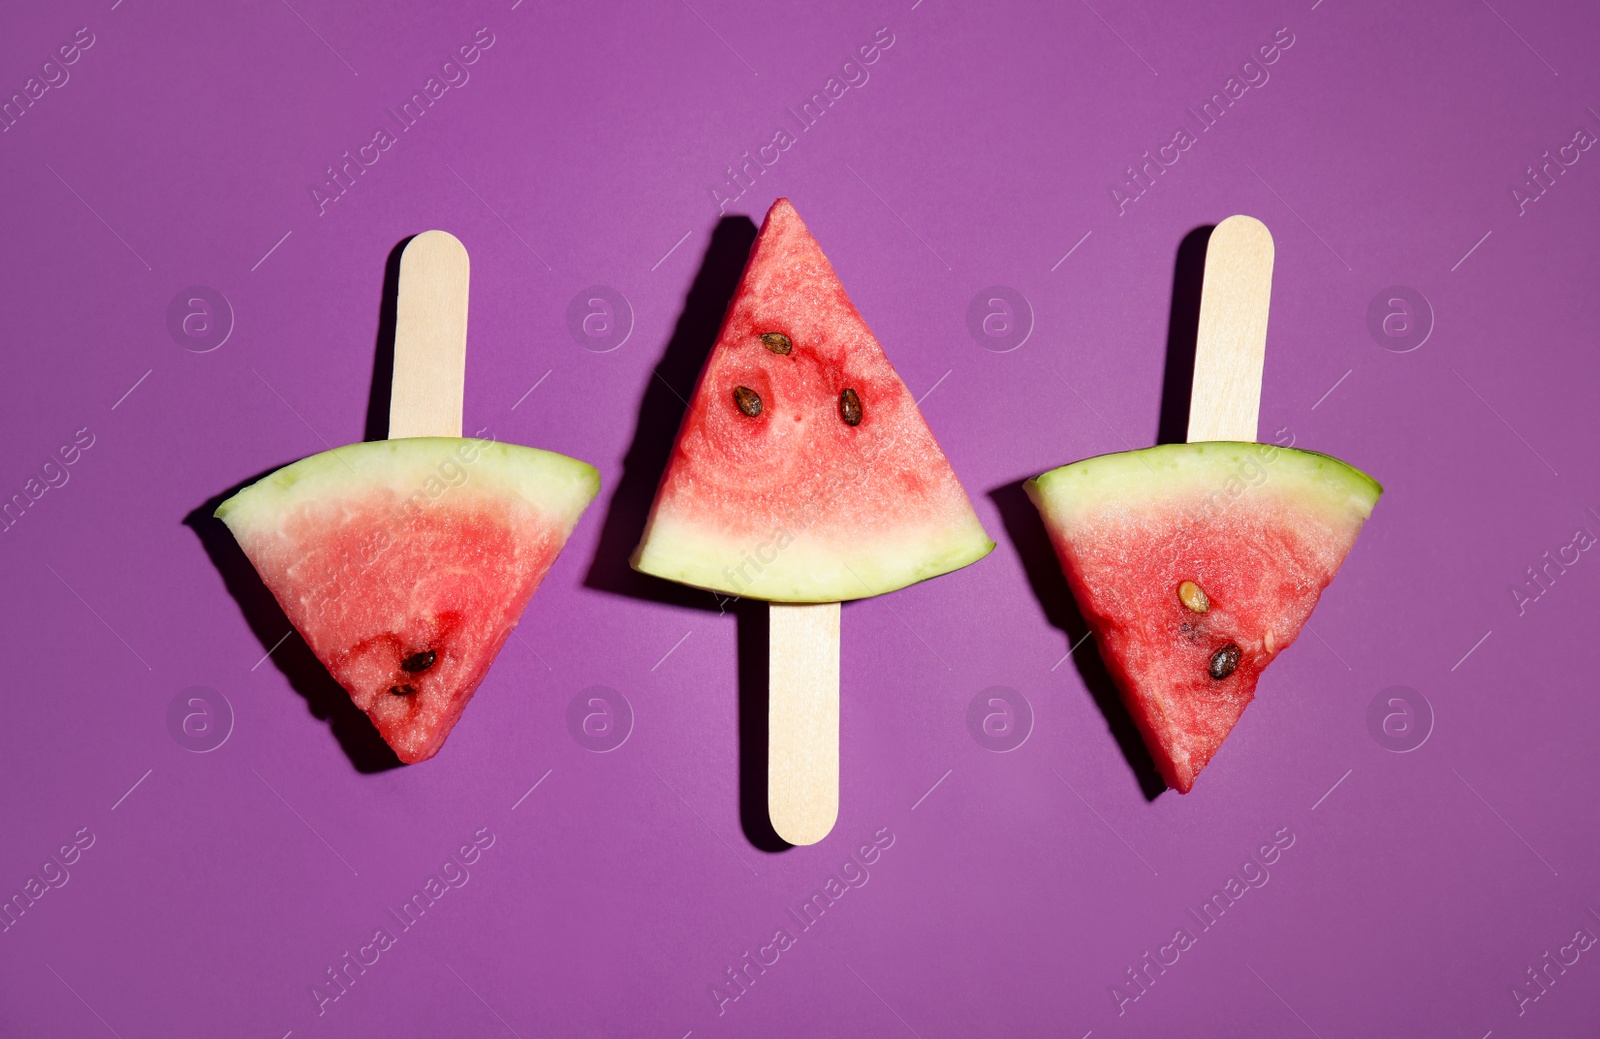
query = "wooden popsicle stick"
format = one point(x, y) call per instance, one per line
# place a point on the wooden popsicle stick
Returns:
point(430, 338)
point(1225, 402)
point(803, 720)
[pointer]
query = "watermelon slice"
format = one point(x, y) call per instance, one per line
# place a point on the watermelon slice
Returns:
point(1195, 565)
point(803, 471)
point(406, 563)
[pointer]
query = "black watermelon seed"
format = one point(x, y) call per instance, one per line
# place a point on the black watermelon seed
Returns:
point(1223, 661)
point(850, 408)
point(419, 661)
point(401, 690)
point(749, 400)
point(777, 342)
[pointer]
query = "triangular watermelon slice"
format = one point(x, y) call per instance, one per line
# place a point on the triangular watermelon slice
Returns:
point(803, 471)
point(406, 563)
point(1195, 565)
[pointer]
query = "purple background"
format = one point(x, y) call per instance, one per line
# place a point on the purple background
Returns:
point(1020, 886)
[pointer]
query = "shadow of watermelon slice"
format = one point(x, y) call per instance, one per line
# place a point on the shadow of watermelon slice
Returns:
point(1032, 542)
point(660, 413)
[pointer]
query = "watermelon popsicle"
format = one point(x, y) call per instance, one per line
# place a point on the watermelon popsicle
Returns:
point(405, 563)
point(805, 475)
point(1196, 564)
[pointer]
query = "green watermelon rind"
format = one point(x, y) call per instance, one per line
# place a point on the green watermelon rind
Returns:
point(420, 469)
point(814, 571)
point(1320, 482)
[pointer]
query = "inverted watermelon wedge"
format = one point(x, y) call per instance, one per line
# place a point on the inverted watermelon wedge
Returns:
point(1195, 565)
point(406, 563)
point(803, 471)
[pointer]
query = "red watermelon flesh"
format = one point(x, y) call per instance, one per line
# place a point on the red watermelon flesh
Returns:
point(1260, 530)
point(772, 491)
point(406, 563)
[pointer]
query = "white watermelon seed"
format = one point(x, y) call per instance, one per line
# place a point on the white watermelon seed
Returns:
point(1194, 597)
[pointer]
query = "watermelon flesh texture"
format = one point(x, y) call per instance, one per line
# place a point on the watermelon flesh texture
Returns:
point(795, 504)
point(405, 564)
point(1261, 530)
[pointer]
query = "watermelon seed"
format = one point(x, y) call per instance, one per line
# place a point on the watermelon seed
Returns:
point(749, 400)
point(419, 661)
point(1194, 597)
point(401, 690)
point(777, 342)
point(850, 408)
point(1223, 661)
